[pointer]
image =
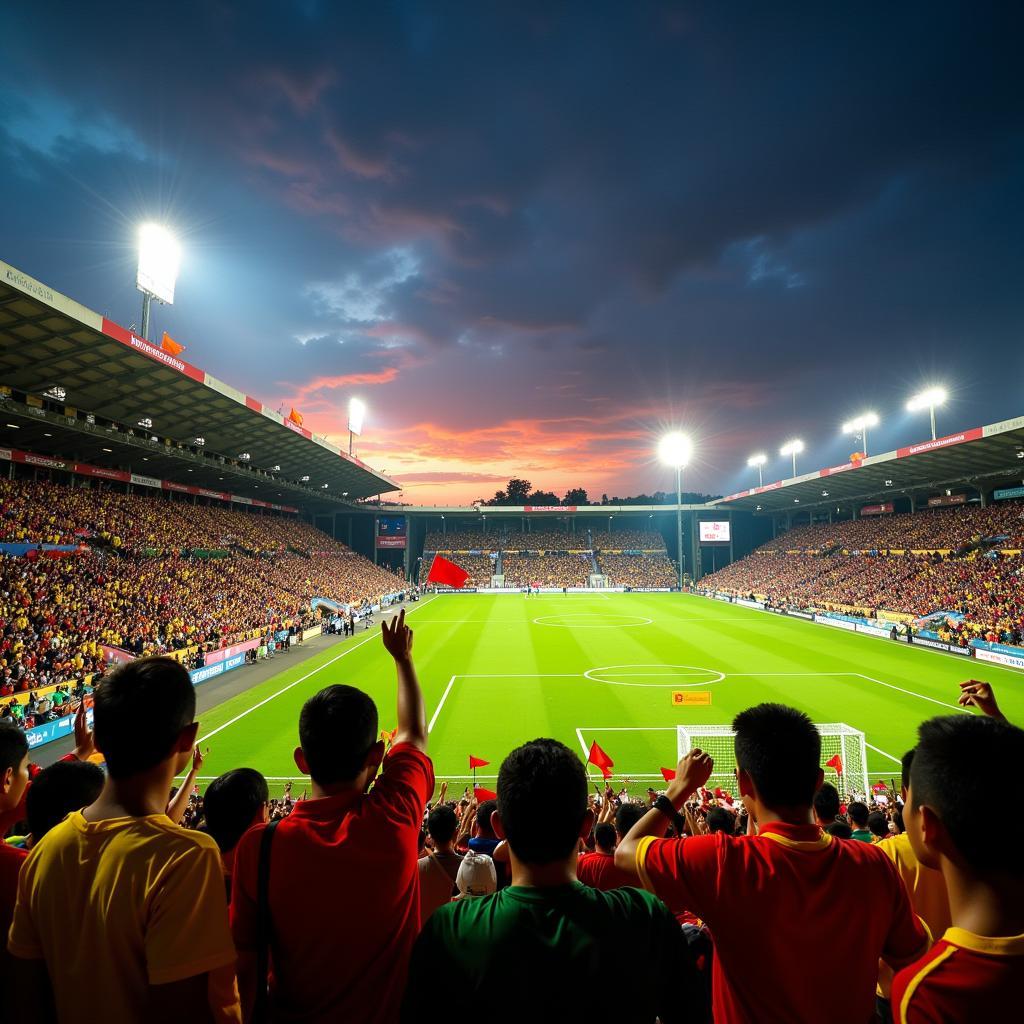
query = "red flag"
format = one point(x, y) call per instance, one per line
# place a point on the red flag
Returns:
point(835, 762)
point(170, 346)
point(599, 758)
point(447, 573)
point(477, 762)
point(481, 794)
point(668, 774)
point(879, 787)
point(295, 417)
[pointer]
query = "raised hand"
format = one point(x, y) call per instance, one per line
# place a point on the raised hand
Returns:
point(691, 773)
point(974, 692)
point(84, 745)
point(397, 637)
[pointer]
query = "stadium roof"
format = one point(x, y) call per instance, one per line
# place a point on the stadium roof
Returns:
point(982, 458)
point(61, 362)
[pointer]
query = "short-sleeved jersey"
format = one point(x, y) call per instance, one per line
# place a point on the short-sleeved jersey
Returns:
point(145, 892)
point(793, 912)
point(598, 869)
point(541, 955)
point(967, 978)
point(344, 896)
point(926, 886)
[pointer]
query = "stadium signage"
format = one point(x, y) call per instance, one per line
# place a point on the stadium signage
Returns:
point(798, 614)
point(1008, 492)
point(877, 510)
point(839, 623)
point(386, 541)
point(50, 731)
point(212, 657)
point(133, 341)
point(219, 495)
point(947, 499)
point(101, 471)
point(975, 434)
point(39, 460)
point(749, 604)
point(940, 646)
point(1013, 660)
point(832, 470)
point(874, 630)
point(144, 481)
point(549, 508)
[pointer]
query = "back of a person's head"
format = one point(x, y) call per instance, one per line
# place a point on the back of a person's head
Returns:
point(13, 747)
point(337, 728)
point(542, 800)
point(627, 816)
point(780, 749)
point(442, 824)
point(604, 835)
point(63, 787)
point(905, 762)
point(955, 761)
point(826, 803)
point(483, 818)
point(858, 813)
point(140, 709)
point(232, 803)
point(721, 820)
point(840, 829)
point(879, 824)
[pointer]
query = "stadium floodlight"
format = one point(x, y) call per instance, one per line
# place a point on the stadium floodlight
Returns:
point(928, 399)
point(245, 456)
point(859, 427)
point(146, 422)
point(57, 393)
point(305, 479)
point(758, 460)
point(324, 486)
point(159, 261)
point(356, 415)
point(794, 448)
point(199, 442)
point(676, 449)
point(275, 469)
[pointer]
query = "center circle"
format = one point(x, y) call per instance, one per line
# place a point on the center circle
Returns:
point(678, 673)
point(603, 623)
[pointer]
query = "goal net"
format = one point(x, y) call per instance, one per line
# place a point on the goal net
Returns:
point(599, 581)
point(837, 740)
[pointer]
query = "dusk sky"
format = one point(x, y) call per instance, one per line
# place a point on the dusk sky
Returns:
point(532, 236)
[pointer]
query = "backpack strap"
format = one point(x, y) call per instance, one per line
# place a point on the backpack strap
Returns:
point(264, 925)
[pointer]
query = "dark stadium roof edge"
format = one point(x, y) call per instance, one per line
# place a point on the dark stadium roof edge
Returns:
point(76, 386)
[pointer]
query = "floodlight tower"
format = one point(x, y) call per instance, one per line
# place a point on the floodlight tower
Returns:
point(759, 461)
point(159, 261)
point(928, 399)
point(858, 426)
point(356, 415)
point(675, 449)
point(794, 448)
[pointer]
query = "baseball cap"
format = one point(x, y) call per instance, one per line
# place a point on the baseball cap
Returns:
point(476, 876)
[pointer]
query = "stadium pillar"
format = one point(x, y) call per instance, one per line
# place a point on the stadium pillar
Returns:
point(147, 302)
point(376, 533)
point(984, 497)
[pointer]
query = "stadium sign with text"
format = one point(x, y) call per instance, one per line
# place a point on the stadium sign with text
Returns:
point(947, 499)
point(877, 510)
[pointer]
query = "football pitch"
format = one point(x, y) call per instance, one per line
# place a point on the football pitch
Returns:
point(498, 670)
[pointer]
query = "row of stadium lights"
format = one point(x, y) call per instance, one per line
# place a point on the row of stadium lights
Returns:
point(929, 399)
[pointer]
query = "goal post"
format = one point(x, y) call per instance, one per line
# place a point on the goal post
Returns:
point(837, 738)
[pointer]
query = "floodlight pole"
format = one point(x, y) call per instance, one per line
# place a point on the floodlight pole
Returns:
point(147, 301)
point(931, 409)
point(679, 523)
point(794, 462)
point(350, 442)
point(760, 477)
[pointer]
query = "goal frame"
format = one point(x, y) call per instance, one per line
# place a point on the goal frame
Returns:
point(850, 746)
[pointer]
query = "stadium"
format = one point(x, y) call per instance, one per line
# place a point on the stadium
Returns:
point(683, 739)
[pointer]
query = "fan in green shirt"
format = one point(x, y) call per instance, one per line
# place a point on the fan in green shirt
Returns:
point(542, 949)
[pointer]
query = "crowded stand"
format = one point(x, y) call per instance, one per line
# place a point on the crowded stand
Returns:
point(628, 540)
point(550, 570)
point(575, 886)
point(461, 540)
point(965, 561)
point(638, 571)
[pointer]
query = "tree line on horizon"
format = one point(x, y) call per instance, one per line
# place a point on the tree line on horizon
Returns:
point(522, 492)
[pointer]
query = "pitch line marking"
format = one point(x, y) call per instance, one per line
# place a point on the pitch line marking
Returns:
point(301, 679)
point(440, 704)
point(695, 670)
point(884, 753)
point(910, 693)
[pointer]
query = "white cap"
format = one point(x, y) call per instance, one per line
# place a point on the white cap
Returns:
point(476, 876)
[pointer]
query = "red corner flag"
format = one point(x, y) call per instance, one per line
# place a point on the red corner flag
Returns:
point(480, 794)
point(835, 762)
point(477, 762)
point(447, 573)
point(599, 758)
point(668, 774)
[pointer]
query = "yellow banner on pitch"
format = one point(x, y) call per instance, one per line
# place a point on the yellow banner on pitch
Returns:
point(691, 698)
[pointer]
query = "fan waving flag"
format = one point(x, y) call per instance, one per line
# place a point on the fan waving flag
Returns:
point(447, 573)
point(835, 761)
point(477, 762)
point(599, 758)
point(480, 794)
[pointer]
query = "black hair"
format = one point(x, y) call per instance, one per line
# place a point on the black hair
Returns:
point(604, 835)
point(840, 829)
point(955, 761)
point(779, 748)
point(721, 820)
point(483, 818)
point(139, 711)
point(858, 813)
point(13, 746)
point(442, 824)
point(879, 824)
point(826, 803)
point(231, 804)
point(56, 791)
point(542, 800)
point(627, 816)
point(906, 761)
point(337, 728)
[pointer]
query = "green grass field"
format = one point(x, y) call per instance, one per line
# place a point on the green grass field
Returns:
point(499, 670)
